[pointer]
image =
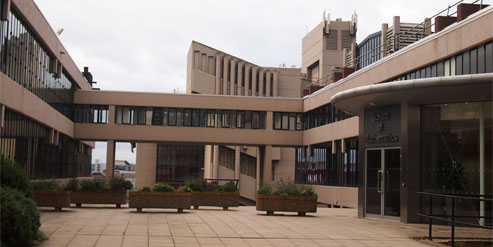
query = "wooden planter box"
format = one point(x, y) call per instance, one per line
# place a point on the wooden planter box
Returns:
point(299, 204)
point(178, 200)
point(216, 199)
point(52, 198)
point(104, 196)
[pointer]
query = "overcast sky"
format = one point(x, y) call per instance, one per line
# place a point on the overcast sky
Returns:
point(142, 45)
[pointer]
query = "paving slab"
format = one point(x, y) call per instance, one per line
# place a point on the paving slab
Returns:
point(242, 226)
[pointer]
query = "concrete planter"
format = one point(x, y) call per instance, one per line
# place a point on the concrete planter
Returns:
point(299, 204)
point(103, 196)
point(216, 199)
point(178, 200)
point(52, 198)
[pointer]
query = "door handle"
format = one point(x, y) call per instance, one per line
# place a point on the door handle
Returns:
point(379, 181)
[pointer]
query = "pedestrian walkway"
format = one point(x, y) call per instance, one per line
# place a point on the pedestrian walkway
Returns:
point(243, 226)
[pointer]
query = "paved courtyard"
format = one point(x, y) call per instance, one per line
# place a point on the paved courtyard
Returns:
point(243, 226)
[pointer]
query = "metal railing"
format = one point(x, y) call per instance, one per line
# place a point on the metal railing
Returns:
point(452, 219)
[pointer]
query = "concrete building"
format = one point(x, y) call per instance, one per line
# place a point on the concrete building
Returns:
point(417, 119)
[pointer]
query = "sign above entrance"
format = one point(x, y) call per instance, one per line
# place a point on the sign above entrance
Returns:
point(382, 126)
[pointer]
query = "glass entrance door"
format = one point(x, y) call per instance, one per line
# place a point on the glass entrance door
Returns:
point(383, 182)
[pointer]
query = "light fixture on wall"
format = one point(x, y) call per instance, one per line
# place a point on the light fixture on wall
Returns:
point(371, 103)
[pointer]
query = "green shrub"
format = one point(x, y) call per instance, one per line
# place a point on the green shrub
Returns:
point(120, 184)
point(288, 188)
point(185, 188)
point(163, 187)
point(46, 185)
point(72, 185)
point(11, 175)
point(265, 190)
point(197, 185)
point(308, 191)
point(93, 185)
point(19, 217)
point(146, 189)
point(228, 187)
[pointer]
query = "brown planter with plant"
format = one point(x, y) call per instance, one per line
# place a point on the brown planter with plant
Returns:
point(51, 194)
point(161, 196)
point(286, 197)
point(209, 194)
point(95, 192)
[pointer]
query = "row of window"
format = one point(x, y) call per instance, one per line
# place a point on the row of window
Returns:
point(190, 117)
point(28, 143)
point(91, 114)
point(474, 61)
point(323, 115)
point(165, 116)
point(323, 167)
point(25, 60)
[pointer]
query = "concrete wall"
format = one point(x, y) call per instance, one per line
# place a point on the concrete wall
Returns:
point(334, 195)
point(248, 187)
point(145, 169)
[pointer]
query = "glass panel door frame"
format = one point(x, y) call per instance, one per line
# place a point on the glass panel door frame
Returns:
point(382, 182)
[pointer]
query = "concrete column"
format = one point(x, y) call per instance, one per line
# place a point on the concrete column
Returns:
point(146, 158)
point(269, 120)
point(275, 84)
point(241, 89)
point(427, 26)
point(232, 81)
point(254, 81)
point(237, 161)
point(257, 172)
point(267, 83)
point(267, 164)
point(225, 76)
point(208, 161)
point(218, 73)
point(111, 114)
point(261, 83)
point(248, 89)
point(397, 31)
point(2, 116)
point(215, 162)
point(383, 40)
point(110, 159)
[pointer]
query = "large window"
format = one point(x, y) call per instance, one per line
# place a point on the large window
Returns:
point(227, 157)
point(26, 61)
point(248, 165)
point(456, 144)
point(321, 167)
point(287, 121)
point(178, 163)
point(130, 115)
point(91, 114)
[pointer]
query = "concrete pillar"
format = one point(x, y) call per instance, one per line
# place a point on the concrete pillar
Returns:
point(269, 120)
point(110, 159)
point(267, 83)
point(275, 84)
point(111, 114)
point(146, 159)
point(254, 81)
point(2, 116)
point(208, 161)
point(427, 26)
point(397, 32)
point(248, 89)
point(261, 83)
point(267, 164)
point(383, 40)
point(215, 162)
point(218, 73)
point(225, 76)
point(237, 162)
point(232, 82)
point(241, 89)
point(257, 170)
